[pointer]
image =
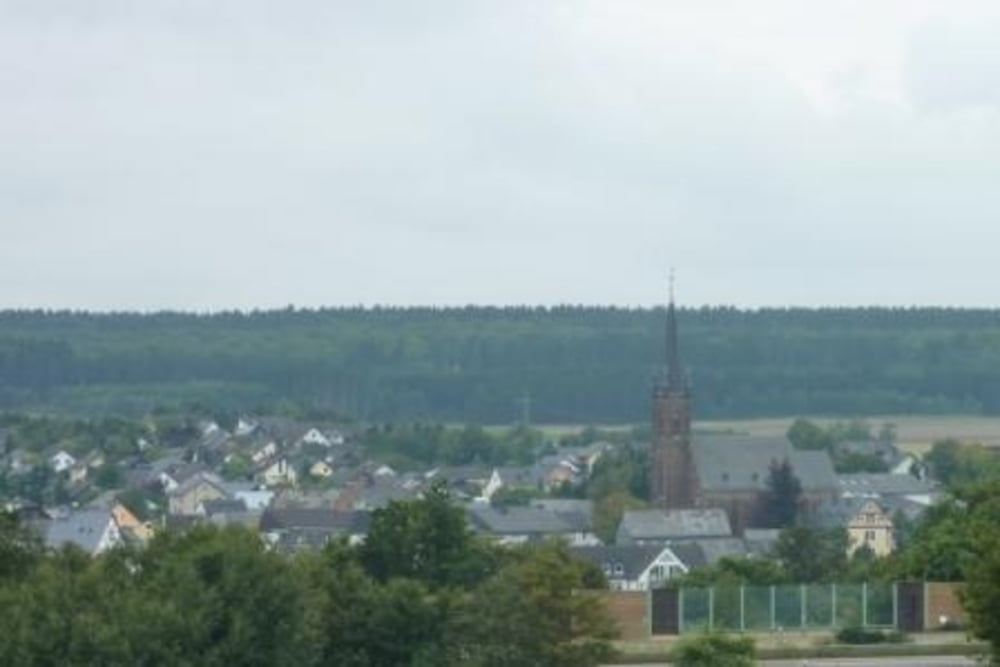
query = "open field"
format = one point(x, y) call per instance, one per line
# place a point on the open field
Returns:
point(915, 433)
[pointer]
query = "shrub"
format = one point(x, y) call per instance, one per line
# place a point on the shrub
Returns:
point(714, 650)
point(857, 635)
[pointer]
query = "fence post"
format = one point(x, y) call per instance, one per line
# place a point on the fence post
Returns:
point(864, 604)
point(802, 606)
point(711, 608)
point(895, 605)
point(833, 605)
point(743, 607)
point(774, 620)
point(680, 610)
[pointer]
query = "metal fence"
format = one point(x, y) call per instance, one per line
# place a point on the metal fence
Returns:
point(789, 607)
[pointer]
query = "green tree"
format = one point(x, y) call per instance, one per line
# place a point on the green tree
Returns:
point(534, 611)
point(804, 434)
point(779, 504)
point(428, 540)
point(21, 548)
point(809, 555)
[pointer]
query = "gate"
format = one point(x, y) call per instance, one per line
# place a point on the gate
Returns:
point(665, 603)
point(911, 606)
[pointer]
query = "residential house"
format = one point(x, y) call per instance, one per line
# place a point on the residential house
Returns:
point(276, 472)
point(886, 486)
point(186, 498)
point(264, 452)
point(464, 482)
point(578, 514)
point(245, 426)
point(517, 525)
point(867, 523)
point(294, 529)
point(315, 437)
point(639, 567)
point(321, 470)
point(61, 461)
point(175, 473)
point(94, 531)
point(130, 525)
point(656, 526)
point(256, 500)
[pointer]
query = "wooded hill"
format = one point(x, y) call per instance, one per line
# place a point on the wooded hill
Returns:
point(574, 364)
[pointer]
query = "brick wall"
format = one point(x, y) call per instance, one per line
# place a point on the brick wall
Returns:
point(629, 609)
point(942, 601)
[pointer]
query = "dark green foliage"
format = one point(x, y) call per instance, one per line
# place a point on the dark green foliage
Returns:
point(804, 434)
point(427, 540)
point(714, 650)
point(577, 364)
point(955, 463)
point(857, 635)
point(20, 548)
point(217, 597)
point(809, 555)
point(420, 445)
point(779, 505)
point(731, 571)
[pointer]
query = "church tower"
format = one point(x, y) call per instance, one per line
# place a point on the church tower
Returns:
point(672, 469)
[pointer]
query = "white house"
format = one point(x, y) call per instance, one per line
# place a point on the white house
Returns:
point(636, 567)
point(94, 531)
point(61, 461)
point(315, 437)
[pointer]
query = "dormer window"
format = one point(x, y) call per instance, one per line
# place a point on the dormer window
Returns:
point(619, 569)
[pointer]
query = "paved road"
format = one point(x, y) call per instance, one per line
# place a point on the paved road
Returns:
point(902, 661)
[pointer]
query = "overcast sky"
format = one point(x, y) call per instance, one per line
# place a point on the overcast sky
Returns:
point(210, 154)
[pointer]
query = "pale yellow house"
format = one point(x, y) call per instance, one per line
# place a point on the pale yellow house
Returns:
point(866, 522)
point(870, 526)
point(321, 469)
point(128, 522)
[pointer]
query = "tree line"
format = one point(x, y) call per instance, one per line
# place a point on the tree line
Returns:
point(569, 364)
point(420, 591)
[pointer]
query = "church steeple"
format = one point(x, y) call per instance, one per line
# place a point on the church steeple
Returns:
point(672, 483)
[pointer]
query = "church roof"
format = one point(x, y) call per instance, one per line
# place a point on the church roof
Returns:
point(742, 463)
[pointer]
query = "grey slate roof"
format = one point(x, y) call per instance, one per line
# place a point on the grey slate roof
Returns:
point(518, 521)
point(224, 506)
point(658, 524)
point(577, 513)
point(716, 548)
point(84, 529)
point(323, 520)
point(742, 463)
point(884, 484)
point(836, 513)
point(202, 476)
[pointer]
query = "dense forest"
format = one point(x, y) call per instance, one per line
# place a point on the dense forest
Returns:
point(499, 365)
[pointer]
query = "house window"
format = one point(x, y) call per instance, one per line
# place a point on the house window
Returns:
point(656, 573)
point(869, 535)
point(619, 569)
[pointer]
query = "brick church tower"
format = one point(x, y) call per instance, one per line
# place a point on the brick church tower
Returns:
point(672, 469)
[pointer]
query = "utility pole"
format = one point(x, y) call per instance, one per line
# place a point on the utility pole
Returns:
point(525, 404)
